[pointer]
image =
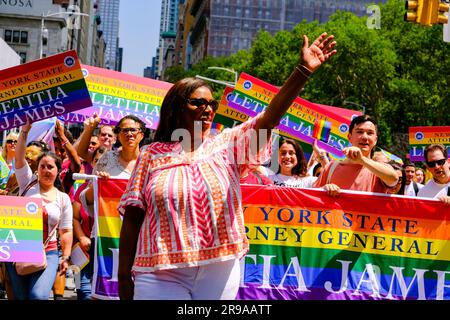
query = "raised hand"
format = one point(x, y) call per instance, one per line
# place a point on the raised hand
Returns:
point(320, 51)
point(92, 122)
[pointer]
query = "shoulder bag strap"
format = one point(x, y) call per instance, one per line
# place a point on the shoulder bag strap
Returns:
point(416, 188)
point(332, 168)
point(28, 187)
point(448, 190)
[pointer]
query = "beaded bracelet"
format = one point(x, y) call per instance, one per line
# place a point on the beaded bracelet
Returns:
point(64, 143)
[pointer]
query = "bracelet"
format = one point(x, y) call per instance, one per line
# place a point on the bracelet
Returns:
point(64, 258)
point(64, 143)
point(303, 70)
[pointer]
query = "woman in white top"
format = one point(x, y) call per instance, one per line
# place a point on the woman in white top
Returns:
point(117, 163)
point(292, 170)
point(57, 213)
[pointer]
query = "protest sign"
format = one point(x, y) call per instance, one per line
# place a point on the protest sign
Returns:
point(116, 94)
point(421, 137)
point(21, 229)
point(307, 245)
point(42, 89)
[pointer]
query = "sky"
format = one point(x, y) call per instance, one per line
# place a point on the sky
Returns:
point(138, 33)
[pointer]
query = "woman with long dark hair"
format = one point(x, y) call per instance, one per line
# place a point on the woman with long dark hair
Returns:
point(292, 168)
point(183, 229)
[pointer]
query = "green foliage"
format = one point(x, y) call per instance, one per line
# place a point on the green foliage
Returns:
point(400, 73)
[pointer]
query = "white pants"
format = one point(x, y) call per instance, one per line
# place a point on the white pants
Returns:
point(215, 281)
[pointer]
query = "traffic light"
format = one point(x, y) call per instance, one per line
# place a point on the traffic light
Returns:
point(426, 12)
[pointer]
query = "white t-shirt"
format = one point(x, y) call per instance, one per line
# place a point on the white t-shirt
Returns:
point(293, 181)
point(59, 211)
point(433, 190)
point(409, 189)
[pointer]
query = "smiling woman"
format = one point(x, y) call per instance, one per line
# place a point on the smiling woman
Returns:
point(292, 170)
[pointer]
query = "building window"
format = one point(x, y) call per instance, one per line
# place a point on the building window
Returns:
point(16, 36)
point(8, 35)
point(24, 37)
point(23, 57)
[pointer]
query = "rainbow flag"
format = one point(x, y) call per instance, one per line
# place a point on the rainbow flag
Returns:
point(108, 221)
point(42, 89)
point(421, 137)
point(116, 94)
point(306, 245)
point(21, 229)
point(322, 130)
point(392, 156)
point(217, 127)
point(252, 95)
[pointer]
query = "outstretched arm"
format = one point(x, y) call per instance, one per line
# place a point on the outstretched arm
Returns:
point(312, 58)
point(19, 157)
point(82, 144)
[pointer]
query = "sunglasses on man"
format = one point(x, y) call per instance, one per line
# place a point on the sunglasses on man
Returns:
point(432, 164)
point(203, 102)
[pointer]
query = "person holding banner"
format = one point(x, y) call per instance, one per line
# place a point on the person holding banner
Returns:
point(437, 162)
point(7, 158)
point(57, 212)
point(292, 168)
point(183, 226)
point(358, 171)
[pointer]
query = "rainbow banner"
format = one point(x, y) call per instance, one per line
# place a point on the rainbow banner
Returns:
point(307, 245)
point(251, 96)
point(42, 89)
point(421, 137)
point(108, 220)
point(21, 229)
point(116, 94)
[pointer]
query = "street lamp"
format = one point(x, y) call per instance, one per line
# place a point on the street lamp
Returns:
point(356, 104)
point(74, 13)
point(225, 83)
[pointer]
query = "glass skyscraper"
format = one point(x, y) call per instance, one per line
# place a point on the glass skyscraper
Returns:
point(109, 11)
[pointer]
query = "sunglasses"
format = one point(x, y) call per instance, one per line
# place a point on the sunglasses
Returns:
point(11, 141)
point(203, 102)
point(127, 130)
point(433, 164)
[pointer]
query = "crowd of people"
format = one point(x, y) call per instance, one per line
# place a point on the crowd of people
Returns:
point(183, 230)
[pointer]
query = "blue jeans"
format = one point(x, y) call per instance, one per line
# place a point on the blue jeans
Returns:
point(85, 290)
point(35, 286)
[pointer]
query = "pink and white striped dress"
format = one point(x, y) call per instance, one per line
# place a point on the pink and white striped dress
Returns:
point(192, 202)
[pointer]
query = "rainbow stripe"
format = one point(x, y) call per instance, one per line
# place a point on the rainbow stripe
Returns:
point(42, 89)
point(116, 94)
point(302, 242)
point(421, 137)
point(21, 229)
point(322, 130)
point(109, 223)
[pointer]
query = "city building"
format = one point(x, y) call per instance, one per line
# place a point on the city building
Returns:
point(86, 37)
point(109, 12)
point(167, 36)
point(40, 28)
point(33, 27)
point(222, 27)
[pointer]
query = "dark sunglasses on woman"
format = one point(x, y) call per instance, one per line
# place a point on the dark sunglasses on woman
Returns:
point(203, 102)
